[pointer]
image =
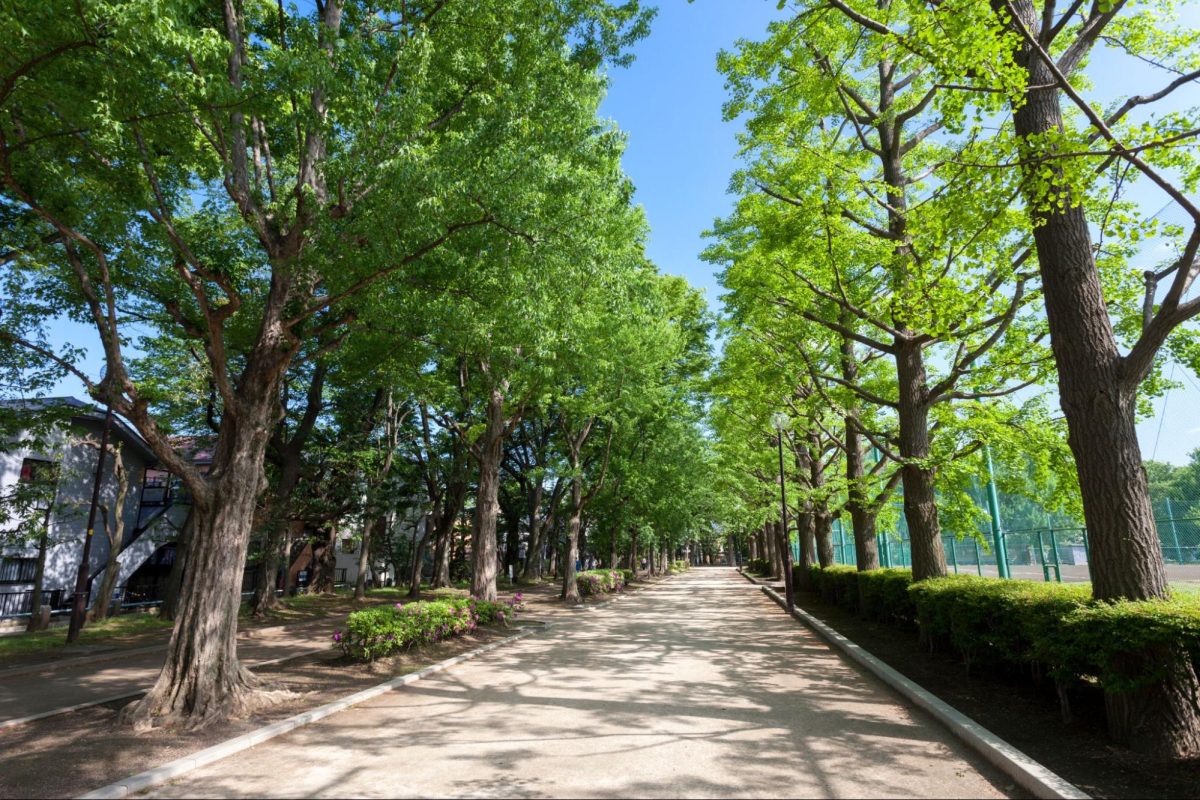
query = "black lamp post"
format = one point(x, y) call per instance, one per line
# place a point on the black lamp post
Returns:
point(779, 419)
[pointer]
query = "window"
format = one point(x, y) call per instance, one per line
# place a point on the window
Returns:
point(40, 477)
point(17, 570)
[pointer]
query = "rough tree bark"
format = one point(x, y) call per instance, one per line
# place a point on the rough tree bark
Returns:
point(489, 451)
point(364, 559)
point(170, 605)
point(1097, 391)
point(114, 530)
point(862, 517)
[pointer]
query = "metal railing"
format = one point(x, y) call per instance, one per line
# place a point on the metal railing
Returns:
point(16, 604)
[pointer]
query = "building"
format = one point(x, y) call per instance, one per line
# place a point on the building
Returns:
point(60, 471)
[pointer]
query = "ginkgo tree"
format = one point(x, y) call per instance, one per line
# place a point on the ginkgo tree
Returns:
point(335, 147)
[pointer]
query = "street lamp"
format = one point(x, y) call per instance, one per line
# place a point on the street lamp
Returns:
point(780, 420)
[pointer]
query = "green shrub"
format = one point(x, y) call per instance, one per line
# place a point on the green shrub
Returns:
point(758, 566)
point(598, 581)
point(996, 622)
point(374, 632)
point(1127, 645)
point(837, 586)
point(883, 595)
point(679, 565)
point(628, 576)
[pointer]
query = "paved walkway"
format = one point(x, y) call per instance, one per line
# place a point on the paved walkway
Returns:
point(696, 687)
point(59, 684)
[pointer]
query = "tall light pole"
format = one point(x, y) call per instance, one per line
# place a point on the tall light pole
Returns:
point(779, 419)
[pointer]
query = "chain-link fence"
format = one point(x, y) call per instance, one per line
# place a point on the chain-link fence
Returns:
point(1049, 554)
point(1032, 542)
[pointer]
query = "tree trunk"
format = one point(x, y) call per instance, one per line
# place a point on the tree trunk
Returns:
point(487, 504)
point(1159, 720)
point(39, 580)
point(418, 563)
point(570, 588)
point(862, 515)
point(264, 597)
point(532, 571)
point(920, 502)
point(1097, 399)
point(323, 564)
point(174, 590)
point(112, 566)
point(364, 560)
point(202, 680)
point(443, 542)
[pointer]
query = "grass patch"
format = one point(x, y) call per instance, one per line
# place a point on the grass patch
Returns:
point(114, 630)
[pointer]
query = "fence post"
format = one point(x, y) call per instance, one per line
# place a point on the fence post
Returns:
point(994, 508)
point(978, 560)
point(954, 553)
point(1042, 556)
point(1087, 553)
point(1057, 563)
point(1174, 533)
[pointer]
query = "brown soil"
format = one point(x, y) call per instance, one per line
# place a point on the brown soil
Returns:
point(1025, 715)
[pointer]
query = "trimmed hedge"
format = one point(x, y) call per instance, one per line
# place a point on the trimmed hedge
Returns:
point(1038, 628)
point(880, 594)
point(374, 632)
point(598, 581)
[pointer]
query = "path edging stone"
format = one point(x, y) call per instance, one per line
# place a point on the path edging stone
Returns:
point(180, 766)
point(1028, 773)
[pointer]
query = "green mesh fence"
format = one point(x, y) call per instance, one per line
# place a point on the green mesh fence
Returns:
point(1057, 549)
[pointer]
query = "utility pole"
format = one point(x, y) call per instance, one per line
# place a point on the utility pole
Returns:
point(79, 607)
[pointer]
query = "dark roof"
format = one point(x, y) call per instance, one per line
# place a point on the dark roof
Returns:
point(86, 412)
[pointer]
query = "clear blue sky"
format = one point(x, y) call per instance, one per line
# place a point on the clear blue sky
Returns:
point(681, 155)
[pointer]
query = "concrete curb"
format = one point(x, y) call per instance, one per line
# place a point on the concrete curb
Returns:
point(173, 769)
point(1028, 774)
point(54, 712)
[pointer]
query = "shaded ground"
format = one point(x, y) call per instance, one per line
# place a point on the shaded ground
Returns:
point(1024, 715)
point(693, 687)
point(71, 754)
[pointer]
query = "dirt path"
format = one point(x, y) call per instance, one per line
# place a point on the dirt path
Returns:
point(694, 687)
point(38, 689)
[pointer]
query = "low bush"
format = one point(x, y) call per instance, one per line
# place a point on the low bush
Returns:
point(1029, 627)
point(380, 631)
point(598, 581)
point(680, 565)
point(837, 585)
point(628, 576)
point(994, 622)
point(883, 595)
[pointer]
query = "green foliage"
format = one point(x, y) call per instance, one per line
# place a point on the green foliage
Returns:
point(759, 566)
point(993, 622)
point(678, 566)
point(1128, 645)
point(600, 581)
point(375, 632)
